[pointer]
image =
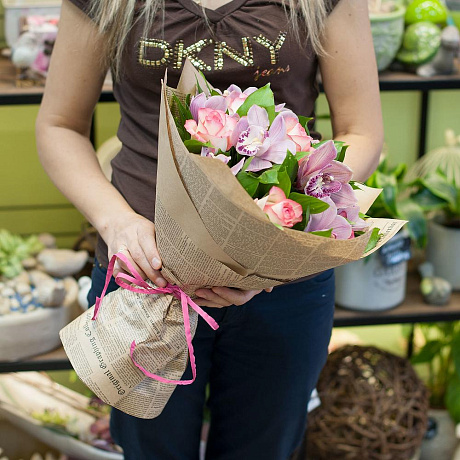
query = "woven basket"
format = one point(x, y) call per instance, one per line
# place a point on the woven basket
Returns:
point(373, 406)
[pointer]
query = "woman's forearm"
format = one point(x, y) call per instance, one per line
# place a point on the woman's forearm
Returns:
point(362, 155)
point(70, 161)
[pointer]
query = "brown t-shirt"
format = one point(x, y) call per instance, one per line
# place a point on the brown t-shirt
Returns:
point(252, 44)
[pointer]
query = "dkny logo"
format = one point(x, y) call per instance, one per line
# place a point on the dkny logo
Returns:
point(157, 53)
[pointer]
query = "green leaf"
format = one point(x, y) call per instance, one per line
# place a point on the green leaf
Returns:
point(284, 181)
point(439, 186)
point(184, 112)
point(249, 182)
point(246, 164)
point(341, 152)
point(373, 240)
point(300, 155)
point(409, 210)
point(456, 353)
point(325, 233)
point(291, 165)
point(309, 203)
point(263, 97)
point(452, 399)
point(195, 146)
point(270, 176)
point(304, 122)
point(427, 352)
point(390, 190)
point(271, 113)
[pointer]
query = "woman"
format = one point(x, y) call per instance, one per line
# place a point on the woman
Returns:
point(265, 359)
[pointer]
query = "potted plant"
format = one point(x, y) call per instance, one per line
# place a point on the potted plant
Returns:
point(440, 197)
point(437, 361)
point(387, 25)
point(382, 275)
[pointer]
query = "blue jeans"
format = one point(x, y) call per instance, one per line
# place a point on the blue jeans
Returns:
point(261, 365)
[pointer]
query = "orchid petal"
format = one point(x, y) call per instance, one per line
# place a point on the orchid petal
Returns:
point(197, 103)
point(351, 213)
point(345, 197)
point(321, 157)
point(250, 90)
point(340, 171)
point(241, 126)
point(277, 130)
point(341, 228)
point(258, 164)
point(237, 168)
point(258, 116)
point(277, 153)
point(322, 220)
point(232, 88)
point(216, 103)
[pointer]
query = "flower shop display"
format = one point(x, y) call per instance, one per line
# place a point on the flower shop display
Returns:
point(245, 198)
point(373, 405)
point(383, 274)
point(56, 415)
point(37, 294)
point(387, 25)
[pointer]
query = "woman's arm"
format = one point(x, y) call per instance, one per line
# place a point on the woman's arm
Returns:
point(72, 90)
point(350, 79)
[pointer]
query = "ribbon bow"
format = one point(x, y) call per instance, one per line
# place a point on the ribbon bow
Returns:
point(130, 282)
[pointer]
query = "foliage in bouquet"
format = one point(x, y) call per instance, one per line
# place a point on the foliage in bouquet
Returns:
point(395, 201)
point(441, 355)
point(439, 197)
point(298, 182)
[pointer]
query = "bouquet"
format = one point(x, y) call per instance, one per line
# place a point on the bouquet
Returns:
point(245, 199)
point(296, 181)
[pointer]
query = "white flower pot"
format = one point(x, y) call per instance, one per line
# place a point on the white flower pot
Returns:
point(443, 251)
point(368, 284)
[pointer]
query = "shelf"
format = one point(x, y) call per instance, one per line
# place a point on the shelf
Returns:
point(55, 360)
point(412, 310)
point(389, 81)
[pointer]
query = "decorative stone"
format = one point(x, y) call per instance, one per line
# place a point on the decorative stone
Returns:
point(62, 262)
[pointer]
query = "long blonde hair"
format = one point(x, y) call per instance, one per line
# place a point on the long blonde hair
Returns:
point(115, 19)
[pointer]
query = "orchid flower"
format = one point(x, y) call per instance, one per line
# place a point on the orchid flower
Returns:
point(320, 175)
point(211, 153)
point(235, 98)
point(252, 137)
point(329, 219)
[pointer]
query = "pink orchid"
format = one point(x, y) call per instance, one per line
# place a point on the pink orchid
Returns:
point(279, 209)
point(320, 175)
point(253, 137)
point(329, 219)
point(296, 132)
point(201, 101)
point(351, 213)
point(235, 98)
point(214, 126)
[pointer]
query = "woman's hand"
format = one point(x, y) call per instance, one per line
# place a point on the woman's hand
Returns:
point(134, 236)
point(218, 297)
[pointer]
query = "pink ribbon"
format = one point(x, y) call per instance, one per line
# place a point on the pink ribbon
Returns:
point(144, 288)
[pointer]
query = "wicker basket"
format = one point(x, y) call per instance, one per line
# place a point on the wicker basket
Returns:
point(373, 406)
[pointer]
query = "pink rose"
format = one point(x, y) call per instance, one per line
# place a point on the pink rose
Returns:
point(279, 209)
point(214, 126)
point(235, 98)
point(296, 132)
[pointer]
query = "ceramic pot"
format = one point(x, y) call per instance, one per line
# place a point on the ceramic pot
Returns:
point(387, 34)
point(371, 284)
point(443, 251)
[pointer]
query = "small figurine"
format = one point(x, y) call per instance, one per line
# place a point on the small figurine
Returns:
point(23, 55)
point(435, 290)
point(443, 62)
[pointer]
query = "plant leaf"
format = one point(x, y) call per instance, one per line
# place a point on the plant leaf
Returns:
point(309, 203)
point(248, 181)
point(263, 97)
point(291, 165)
point(195, 146)
point(452, 399)
point(427, 352)
point(325, 233)
point(373, 239)
point(409, 210)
